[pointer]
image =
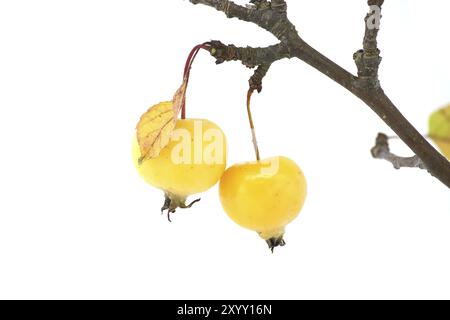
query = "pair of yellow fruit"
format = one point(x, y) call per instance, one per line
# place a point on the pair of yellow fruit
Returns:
point(263, 196)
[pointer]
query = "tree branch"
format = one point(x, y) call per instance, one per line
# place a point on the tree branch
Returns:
point(262, 58)
point(279, 5)
point(230, 9)
point(381, 151)
point(250, 57)
point(272, 17)
point(255, 81)
point(368, 59)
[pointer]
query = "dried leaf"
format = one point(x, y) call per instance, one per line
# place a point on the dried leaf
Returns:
point(155, 127)
point(179, 97)
point(439, 129)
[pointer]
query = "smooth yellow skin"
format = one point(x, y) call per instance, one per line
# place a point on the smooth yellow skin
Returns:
point(263, 201)
point(184, 179)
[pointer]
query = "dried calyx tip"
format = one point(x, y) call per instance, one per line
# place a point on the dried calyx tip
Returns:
point(275, 242)
point(273, 238)
point(172, 202)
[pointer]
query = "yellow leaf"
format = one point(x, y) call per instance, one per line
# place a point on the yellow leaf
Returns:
point(155, 127)
point(179, 97)
point(439, 129)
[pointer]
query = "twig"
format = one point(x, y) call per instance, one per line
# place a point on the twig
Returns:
point(271, 16)
point(381, 151)
point(250, 57)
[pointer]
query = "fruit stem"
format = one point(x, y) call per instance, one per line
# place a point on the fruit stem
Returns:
point(252, 126)
point(187, 70)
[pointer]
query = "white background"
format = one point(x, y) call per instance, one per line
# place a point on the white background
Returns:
point(76, 221)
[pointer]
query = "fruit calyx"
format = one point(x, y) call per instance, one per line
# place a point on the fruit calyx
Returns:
point(172, 202)
point(275, 242)
point(274, 238)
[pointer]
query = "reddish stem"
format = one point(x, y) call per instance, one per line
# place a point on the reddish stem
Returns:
point(187, 70)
